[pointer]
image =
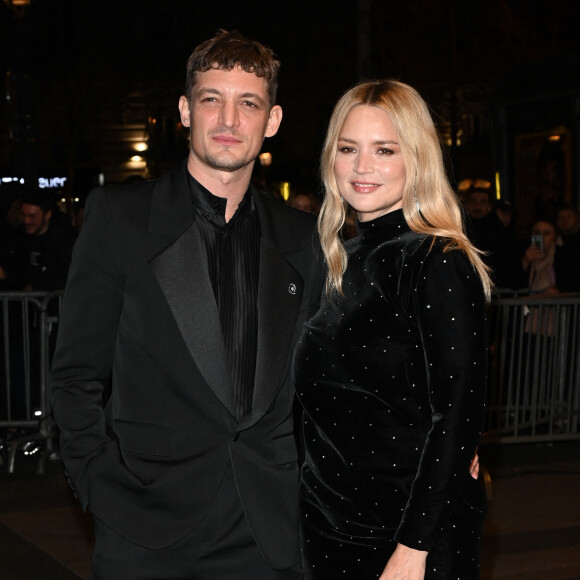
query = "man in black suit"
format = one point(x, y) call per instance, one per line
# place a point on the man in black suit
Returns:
point(38, 256)
point(170, 382)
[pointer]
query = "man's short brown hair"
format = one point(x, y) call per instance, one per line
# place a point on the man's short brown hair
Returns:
point(228, 50)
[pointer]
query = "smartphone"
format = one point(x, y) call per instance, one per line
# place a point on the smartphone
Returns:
point(538, 240)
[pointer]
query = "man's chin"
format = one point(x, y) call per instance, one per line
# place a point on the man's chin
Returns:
point(227, 164)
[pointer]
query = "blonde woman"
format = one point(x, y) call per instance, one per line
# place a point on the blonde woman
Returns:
point(391, 372)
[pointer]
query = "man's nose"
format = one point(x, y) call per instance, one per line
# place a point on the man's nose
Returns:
point(229, 114)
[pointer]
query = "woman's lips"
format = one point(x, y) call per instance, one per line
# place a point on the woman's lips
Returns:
point(364, 186)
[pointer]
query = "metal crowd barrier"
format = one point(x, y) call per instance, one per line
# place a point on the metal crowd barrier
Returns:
point(29, 321)
point(534, 375)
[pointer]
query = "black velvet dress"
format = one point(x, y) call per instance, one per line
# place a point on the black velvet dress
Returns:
point(392, 378)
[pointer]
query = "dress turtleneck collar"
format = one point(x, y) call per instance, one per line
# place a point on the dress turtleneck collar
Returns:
point(386, 226)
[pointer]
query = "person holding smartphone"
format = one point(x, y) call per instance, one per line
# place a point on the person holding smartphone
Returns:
point(549, 270)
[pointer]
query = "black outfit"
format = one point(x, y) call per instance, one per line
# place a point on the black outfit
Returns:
point(392, 377)
point(142, 392)
point(503, 252)
point(571, 241)
point(41, 261)
point(233, 258)
point(567, 262)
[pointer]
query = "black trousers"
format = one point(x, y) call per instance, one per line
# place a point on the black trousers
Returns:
point(220, 548)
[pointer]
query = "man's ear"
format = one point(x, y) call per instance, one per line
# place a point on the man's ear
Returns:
point(184, 110)
point(48, 214)
point(274, 120)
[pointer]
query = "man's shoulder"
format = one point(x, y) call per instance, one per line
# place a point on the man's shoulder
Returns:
point(130, 196)
point(120, 194)
point(283, 217)
point(57, 234)
point(122, 202)
point(491, 234)
point(297, 217)
point(571, 241)
point(125, 207)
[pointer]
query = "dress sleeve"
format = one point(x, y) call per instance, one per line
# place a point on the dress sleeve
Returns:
point(450, 306)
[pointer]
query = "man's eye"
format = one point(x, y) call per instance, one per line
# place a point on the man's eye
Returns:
point(250, 104)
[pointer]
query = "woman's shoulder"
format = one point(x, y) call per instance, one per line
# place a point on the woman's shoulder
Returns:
point(430, 252)
point(429, 244)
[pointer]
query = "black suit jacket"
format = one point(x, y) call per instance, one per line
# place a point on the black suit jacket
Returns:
point(140, 387)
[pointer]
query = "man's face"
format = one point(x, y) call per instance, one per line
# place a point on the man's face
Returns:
point(34, 219)
point(303, 203)
point(478, 205)
point(229, 116)
point(567, 222)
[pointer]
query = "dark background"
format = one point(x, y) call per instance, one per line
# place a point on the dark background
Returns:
point(84, 79)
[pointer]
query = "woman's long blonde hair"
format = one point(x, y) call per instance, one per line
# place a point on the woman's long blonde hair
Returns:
point(426, 181)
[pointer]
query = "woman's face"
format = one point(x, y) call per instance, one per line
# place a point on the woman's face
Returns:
point(546, 230)
point(369, 167)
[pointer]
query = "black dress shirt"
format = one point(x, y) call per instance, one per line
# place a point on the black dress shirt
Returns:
point(233, 260)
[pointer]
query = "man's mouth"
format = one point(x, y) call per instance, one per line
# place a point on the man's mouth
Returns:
point(224, 139)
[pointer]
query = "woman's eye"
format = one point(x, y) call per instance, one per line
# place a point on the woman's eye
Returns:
point(346, 149)
point(386, 151)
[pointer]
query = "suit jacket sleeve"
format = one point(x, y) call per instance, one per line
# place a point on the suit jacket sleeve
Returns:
point(450, 308)
point(81, 370)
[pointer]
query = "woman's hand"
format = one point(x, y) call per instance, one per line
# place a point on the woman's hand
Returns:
point(551, 291)
point(405, 564)
point(474, 467)
point(532, 253)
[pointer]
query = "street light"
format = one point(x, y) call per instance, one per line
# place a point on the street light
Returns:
point(265, 159)
point(18, 7)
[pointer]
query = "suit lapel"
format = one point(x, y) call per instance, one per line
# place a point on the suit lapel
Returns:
point(179, 265)
point(180, 268)
point(280, 292)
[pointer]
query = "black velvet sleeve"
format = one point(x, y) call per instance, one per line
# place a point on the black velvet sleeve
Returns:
point(450, 309)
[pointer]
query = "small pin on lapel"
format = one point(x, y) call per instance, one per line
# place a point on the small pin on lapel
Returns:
point(292, 288)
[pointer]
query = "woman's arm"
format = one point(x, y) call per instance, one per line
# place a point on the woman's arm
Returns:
point(405, 564)
point(450, 307)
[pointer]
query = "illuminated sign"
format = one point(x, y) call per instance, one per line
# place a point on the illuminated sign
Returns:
point(43, 182)
point(51, 182)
